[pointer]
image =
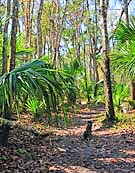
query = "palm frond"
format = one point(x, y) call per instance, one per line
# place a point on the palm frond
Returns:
point(126, 32)
point(35, 78)
point(123, 58)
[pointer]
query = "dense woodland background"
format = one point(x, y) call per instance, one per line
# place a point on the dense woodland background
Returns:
point(57, 55)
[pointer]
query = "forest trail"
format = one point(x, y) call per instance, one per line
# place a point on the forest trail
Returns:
point(109, 151)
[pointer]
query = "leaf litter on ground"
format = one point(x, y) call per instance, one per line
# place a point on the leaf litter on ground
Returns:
point(110, 150)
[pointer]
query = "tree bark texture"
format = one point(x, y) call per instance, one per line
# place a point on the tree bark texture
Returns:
point(13, 34)
point(132, 90)
point(5, 41)
point(85, 72)
point(4, 128)
point(39, 30)
point(107, 77)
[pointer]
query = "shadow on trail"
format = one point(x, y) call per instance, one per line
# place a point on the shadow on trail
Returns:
point(106, 152)
point(67, 152)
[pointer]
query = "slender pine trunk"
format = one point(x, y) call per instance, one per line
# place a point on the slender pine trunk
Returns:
point(5, 56)
point(85, 73)
point(39, 31)
point(14, 34)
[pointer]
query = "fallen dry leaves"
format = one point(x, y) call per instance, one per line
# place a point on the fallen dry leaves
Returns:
point(65, 151)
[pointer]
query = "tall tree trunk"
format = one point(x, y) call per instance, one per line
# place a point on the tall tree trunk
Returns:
point(4, 128)
point(13, 34)
point(59, 31)
point(95, 50)
point(107, 77)
point(5, 41)
point(27, 22)
point(85, 72)
point(28, 10)
point(31, 20)
point(78, 46)
point(39, 31)
point(93, 68)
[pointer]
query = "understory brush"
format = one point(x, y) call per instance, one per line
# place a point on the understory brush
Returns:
point(123, 121)
point(35, 108)
point(120, 93)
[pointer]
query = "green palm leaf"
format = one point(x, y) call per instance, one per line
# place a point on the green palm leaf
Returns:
point(123, 58)
point(35, 78)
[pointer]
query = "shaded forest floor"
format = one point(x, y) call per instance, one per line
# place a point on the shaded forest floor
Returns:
point(110, 150)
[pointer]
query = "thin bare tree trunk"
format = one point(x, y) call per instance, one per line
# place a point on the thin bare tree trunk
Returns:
point(93, 68)
point(39, 31)
point(27, 22)
point(107, 77)
point(92, 47)
point(28, 10)
point(95, 50)
point(31, 20)
point(5, 41)
point(60, 29)
point(126, 10)
point(13, 34)
point(85, 72)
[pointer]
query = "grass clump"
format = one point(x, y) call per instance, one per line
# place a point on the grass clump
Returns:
point(125, 121)
point(121, 118)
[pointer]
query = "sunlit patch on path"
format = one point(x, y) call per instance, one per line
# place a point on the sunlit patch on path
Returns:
point(108, 151)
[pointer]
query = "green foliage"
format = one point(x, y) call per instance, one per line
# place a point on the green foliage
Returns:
point(66, 120)
point(34, 107)
point(126, 31)
point(66, 109)
point(123, 58)
point(74, 69)
point(123, 62)
point(121, 118)
point(35, 79)
point(99, 98)
point(90, 89)
point(125, 121)
point(45, 58)
point(100, 88)
point(71, 94)
point(23, 152)
point(120, 92)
